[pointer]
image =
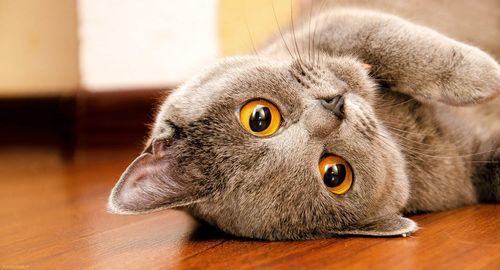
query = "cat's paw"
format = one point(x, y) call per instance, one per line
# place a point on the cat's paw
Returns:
point(475, 77)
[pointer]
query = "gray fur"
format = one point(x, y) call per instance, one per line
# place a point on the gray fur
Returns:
point(418, 128)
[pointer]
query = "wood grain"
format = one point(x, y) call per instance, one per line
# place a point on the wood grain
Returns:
point(53, 217)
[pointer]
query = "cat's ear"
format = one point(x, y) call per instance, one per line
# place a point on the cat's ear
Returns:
point(152, 182)
point(392, 225)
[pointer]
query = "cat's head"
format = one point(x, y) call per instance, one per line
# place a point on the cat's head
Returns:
point(273, 149)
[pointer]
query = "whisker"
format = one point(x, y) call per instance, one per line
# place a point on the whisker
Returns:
point(279, 29)
point(416, 156)
point(309, 33)
point(375, 71)
point(456, 141)
point(455, 156)
point(324, 20)
point(422, 143)
point(315, 63)
point(251, 38)
point(388, 105)
point(407, 143)
point(405, 131)
point(295, 39)
point(397, 150)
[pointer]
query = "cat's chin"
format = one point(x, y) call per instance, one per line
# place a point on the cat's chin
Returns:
point(390, 226)
point(394, 226)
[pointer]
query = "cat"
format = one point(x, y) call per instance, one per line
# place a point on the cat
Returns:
point(337, 127)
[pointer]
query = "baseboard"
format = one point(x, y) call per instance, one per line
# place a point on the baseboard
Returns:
point(36, 120)
point(88, 119)
point(115, 118)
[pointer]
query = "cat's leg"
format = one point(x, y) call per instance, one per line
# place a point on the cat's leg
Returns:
point(476, 131)
point(412, 59)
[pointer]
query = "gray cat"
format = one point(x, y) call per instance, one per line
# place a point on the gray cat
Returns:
point(336, 128)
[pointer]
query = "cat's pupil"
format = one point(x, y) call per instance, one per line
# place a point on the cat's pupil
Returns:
point(260, 119)
point(335, 175)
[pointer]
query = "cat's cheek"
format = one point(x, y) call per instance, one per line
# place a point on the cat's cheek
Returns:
point(378, 165)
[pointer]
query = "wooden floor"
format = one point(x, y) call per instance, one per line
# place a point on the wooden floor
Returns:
point(52, 216)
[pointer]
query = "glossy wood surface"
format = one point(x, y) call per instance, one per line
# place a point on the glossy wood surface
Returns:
point(53, 217)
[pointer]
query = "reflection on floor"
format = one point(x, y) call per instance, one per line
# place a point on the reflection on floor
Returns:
point(53, 217)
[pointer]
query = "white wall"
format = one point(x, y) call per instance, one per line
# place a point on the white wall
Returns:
point(144, 44)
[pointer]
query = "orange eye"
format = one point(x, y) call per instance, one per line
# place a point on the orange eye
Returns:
point(336, 174)
point(260, 117)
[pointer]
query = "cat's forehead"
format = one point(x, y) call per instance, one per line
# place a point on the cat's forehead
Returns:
point(192, 99)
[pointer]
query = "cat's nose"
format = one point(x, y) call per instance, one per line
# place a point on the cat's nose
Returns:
point(335, 105)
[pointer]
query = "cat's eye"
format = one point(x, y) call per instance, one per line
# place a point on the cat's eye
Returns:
point(336, 173)
point(260, 117)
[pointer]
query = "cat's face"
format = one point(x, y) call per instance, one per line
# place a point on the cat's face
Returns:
point(208, 156)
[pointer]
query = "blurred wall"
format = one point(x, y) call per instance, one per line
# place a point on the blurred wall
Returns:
point(38, 48)
point(245, 24)
point(130, 44)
